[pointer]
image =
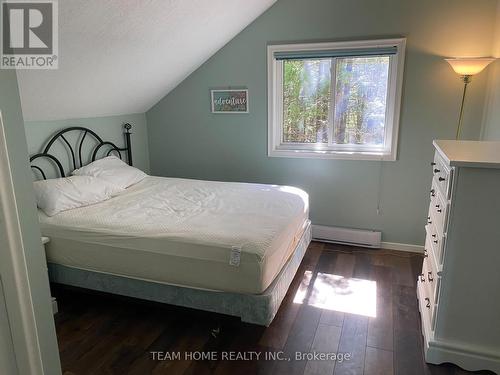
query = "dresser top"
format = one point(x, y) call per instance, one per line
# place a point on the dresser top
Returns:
point(480, 154)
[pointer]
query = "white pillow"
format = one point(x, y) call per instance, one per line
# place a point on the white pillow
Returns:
point(114, 170)
point(61, 194)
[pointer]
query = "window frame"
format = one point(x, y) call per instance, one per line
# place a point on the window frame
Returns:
point(388, 151)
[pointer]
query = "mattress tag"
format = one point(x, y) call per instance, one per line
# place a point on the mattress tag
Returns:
point(234, 260)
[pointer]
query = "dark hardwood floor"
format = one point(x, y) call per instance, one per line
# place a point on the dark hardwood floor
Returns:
point(376, 321)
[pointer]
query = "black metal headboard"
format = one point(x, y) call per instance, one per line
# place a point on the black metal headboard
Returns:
point(77, 161)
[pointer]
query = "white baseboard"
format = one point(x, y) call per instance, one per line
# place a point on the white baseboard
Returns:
point(360, 238)
point(402, 247)
point(347, 236)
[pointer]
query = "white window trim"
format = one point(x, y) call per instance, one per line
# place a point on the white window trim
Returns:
point(323, 151)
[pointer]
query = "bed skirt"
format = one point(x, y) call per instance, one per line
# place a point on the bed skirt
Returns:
point(251, 308)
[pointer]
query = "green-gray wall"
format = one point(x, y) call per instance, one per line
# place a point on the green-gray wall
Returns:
point(109, 128)
point(491, 125)
point(34, 255)
point(186, 140)
point(491, 129)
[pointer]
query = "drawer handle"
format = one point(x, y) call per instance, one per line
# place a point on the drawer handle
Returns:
point(440, 210)
point(441, 178)
point(436, 170)
point(428, 304)
point(421, 277)
point(425, 253)
point(434, 235)
point(435, 241)
point(429, 276)
point(429, 222)
point(437, 205)
point(433, 164)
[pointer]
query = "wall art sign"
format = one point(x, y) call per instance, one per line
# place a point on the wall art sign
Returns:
point(229, 101)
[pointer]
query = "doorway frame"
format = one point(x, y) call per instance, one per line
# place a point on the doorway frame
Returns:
point(15, 273)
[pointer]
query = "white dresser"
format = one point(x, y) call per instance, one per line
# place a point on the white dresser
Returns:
point(459, 287)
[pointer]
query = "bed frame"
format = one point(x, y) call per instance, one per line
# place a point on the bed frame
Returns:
point(251, 308)
point(77, 161)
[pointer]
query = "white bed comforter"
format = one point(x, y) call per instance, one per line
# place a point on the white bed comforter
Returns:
point(190, 219)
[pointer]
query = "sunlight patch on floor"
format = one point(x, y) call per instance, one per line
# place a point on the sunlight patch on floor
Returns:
point(334, 292)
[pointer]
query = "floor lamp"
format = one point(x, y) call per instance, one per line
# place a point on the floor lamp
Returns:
point(466, 67)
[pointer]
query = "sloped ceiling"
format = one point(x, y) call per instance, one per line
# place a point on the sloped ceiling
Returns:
point(122, 56)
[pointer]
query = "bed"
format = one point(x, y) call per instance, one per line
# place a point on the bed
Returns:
point(230, 248)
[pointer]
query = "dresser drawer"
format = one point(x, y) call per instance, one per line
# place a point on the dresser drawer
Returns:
point(426, 306)
point(435, 242)
point(442, 175)
point(438, 210)
point(434, 190)
point(433, 278)
point(429, 279)
point(430, 257)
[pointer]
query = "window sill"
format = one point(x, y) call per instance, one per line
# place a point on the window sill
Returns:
point(329, 154)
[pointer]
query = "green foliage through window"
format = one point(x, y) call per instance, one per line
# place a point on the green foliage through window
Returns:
point(354, 115)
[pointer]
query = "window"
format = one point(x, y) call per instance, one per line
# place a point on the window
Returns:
point(335, 100)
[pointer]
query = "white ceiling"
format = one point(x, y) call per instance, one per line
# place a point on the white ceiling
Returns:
point(122, 56)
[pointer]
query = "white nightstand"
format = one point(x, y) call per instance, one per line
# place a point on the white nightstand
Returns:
point(46, 240)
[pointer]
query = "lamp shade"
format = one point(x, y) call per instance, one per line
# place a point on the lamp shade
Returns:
point(466, 66)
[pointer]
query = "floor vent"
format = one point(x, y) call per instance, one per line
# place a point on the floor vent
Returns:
point(347, 236)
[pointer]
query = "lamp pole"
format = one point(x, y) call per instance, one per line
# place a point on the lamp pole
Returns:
point(466, 80)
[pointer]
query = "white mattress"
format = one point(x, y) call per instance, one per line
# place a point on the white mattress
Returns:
point(182, 232)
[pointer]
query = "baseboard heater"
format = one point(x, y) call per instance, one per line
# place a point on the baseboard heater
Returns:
point(347, 236)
